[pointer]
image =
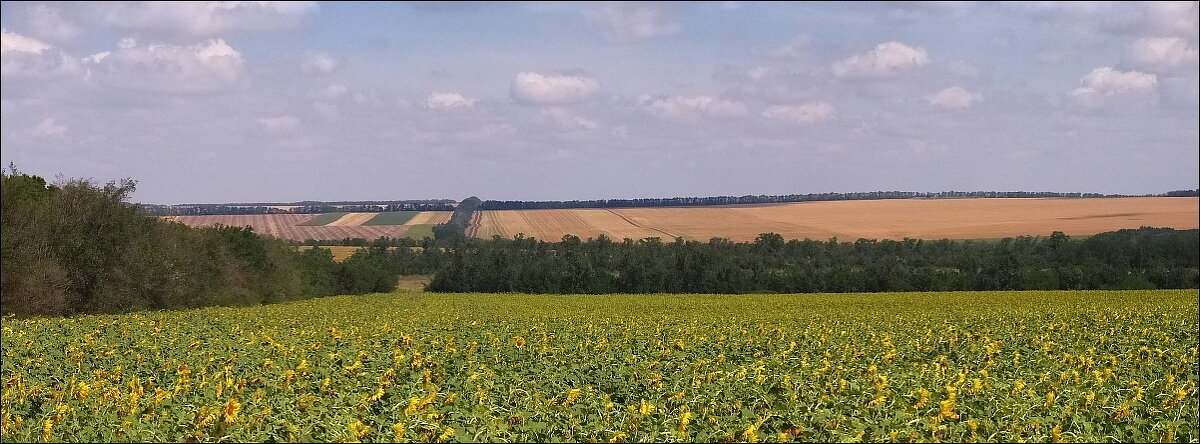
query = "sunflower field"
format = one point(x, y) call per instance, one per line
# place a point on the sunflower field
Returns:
point(953, 367)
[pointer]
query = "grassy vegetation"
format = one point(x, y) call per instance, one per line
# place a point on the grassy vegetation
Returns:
point(392, 218)
point(979, 366)
point(419, 232)
point(322, 219)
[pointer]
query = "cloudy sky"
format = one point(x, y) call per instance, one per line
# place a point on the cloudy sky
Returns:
point(258, 101)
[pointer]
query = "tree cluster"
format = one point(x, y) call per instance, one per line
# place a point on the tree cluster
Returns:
point(75, 247)
point(1126, 259)
point(456, 229)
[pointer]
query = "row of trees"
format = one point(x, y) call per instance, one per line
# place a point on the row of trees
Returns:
point(1126, 259)
point(762, 199)
point(76, 247)
point(456, 228)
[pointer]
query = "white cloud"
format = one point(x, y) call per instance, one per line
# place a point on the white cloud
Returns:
point(202, 19)
point(885, 59)
point(1163, 54)
point(27, 57)
point(318, 63)
point(280, 124)
point(811, 112)
point(632, 21)
point(691, 107)
point(48, 129)
point(205, 67)
point(954, 98)
point(571, 122)
point(448, 101)
point(1104, 83)
point(13, 42)
point(538, 89)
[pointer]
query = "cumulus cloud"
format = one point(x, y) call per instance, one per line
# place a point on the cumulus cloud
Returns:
point(540, 89)
point(954, 98)
point(448, 101)
point(13, 42)
point(1104, 83)
point(280, 124)
point(806, 113)
point(318, 63)
point(633, 21)
point(27, 57)
point(884, 60)
point(571, 122)
point(210, 66)
point(691, 107)
point(202, 19)
point(48, 129)
point(1163, 54)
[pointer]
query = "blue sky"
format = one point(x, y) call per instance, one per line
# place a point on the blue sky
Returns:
point(264, 101)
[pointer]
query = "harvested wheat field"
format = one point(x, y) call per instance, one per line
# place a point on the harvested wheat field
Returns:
point(430, 218)
point(352, 220)
point(850, 220)
point(349, 225)
point(284, 226)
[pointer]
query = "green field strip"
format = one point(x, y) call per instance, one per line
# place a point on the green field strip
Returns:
point(419, 231)
point(322, 219)
point(391, 218)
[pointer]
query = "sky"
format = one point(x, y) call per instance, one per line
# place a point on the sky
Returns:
point(279, 102)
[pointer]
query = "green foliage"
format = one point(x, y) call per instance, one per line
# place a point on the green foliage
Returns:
point(455, 230)
point(1125, 259)
point(322, 219)
point(392, 218)
point(79, 248)
point(1090, 366)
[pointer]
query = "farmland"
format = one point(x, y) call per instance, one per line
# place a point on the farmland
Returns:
point(998, 366)
point(849, 220)
point(328, 226)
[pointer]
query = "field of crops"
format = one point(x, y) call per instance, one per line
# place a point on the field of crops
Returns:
point(954, 367)
point(851, 220)
point(329, 226)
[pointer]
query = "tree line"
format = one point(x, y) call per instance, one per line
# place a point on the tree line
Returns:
point(1126, 259)
point(76, 247)
point(456, 228)
point(762, 199)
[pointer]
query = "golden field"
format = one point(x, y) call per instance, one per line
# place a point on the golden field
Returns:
point(286, 226)
point(849, 220)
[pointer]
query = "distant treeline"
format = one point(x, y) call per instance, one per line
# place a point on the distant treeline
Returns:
point(314, 208)
point(763, 199)
point(1183, 193)
point(1125, 259)
point(75, 247)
